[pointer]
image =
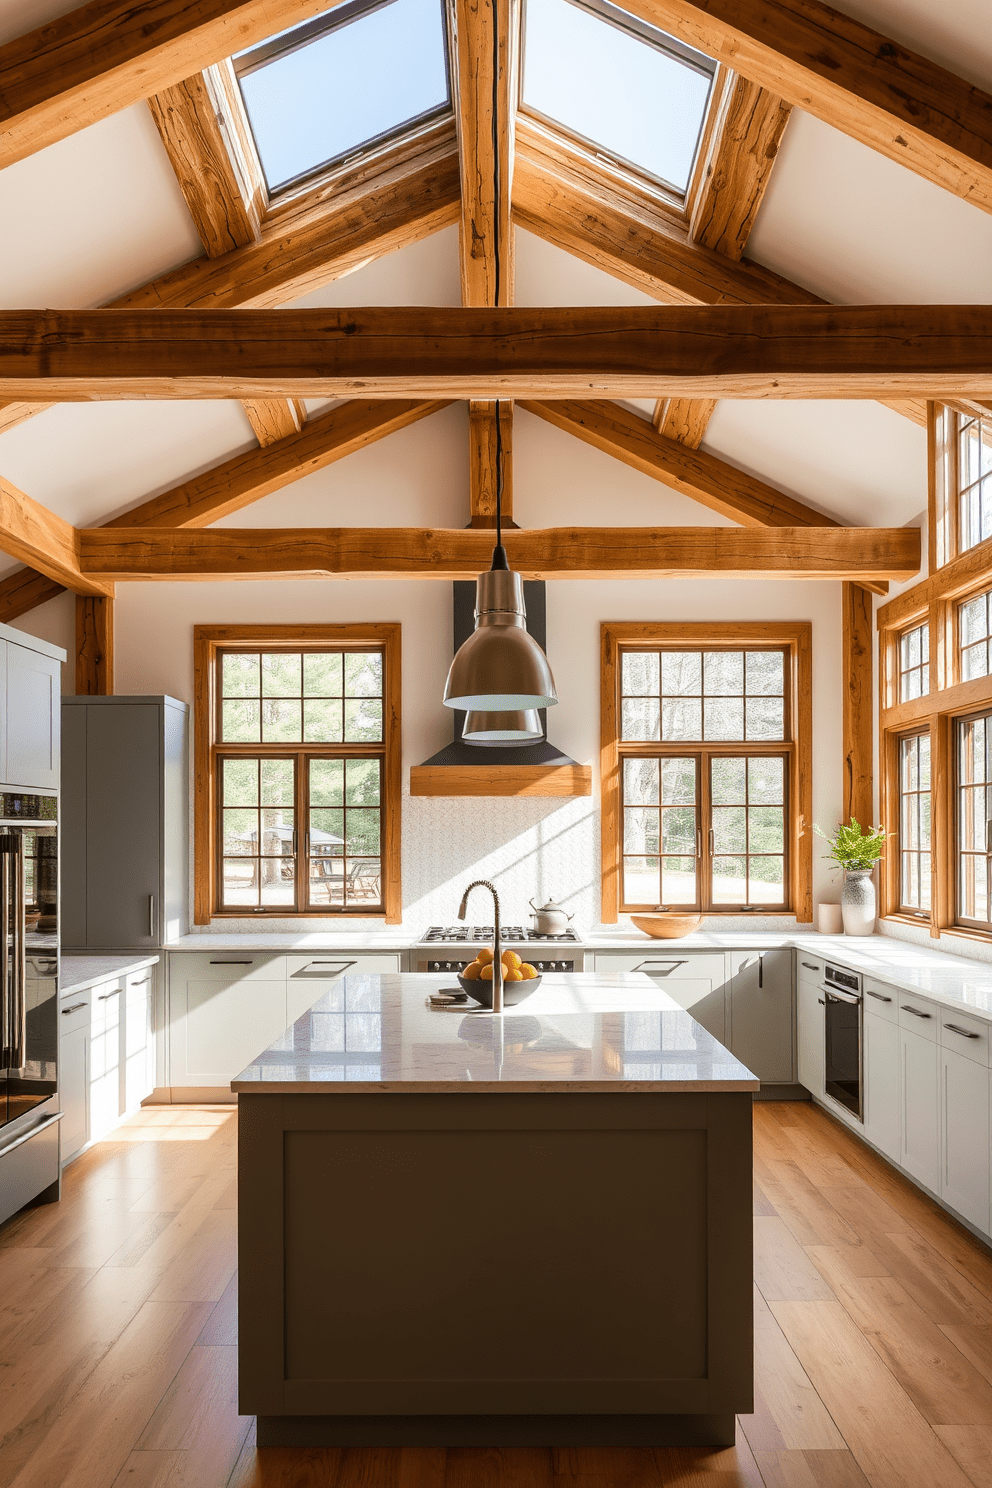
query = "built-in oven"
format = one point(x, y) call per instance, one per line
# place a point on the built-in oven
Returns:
point(842, 1038)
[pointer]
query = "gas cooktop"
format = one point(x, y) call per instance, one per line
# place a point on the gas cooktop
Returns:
point(462, 934)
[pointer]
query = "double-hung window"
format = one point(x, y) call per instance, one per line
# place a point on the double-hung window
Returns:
point(914, 824)
point(973, 819)
point(705, 768)
point(298, 771)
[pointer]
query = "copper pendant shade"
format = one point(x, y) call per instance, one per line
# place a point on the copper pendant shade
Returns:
point(500, 668)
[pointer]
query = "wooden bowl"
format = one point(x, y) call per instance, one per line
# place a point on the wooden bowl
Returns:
point(668, 926)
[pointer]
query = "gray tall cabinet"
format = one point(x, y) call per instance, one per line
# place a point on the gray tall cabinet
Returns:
point(124, 822)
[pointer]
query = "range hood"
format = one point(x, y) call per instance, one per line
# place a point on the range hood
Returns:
point(516, 769)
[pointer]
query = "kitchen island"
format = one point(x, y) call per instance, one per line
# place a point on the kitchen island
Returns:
point(460, 1229)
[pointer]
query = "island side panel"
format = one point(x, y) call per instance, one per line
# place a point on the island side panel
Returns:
point(500, 1255)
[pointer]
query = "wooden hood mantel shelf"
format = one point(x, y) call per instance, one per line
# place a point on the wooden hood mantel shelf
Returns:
point(501, 780)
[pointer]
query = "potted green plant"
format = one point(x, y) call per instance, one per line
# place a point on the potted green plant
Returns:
point(856, 852)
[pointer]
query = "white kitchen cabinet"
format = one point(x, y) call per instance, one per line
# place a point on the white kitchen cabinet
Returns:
point(881, 1083)
point(964, 1136)
point(697, 980)
point(762, 1017)
point(137, 1054)
point(809, 1017)
point(33, 714)
point(74, 1072)
point(919, 1102)
point(105, 1058)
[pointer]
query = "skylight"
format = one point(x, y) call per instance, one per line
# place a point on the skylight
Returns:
point(621, 85)
point(321, 92)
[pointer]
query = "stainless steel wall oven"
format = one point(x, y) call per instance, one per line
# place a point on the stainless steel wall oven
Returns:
point(842, 1037)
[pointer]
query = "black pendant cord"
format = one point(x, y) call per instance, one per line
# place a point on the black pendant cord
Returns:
point(499, 552)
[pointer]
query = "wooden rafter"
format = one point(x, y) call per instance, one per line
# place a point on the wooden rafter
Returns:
point(225, 193)
point(239, 481)
point(739, 351)
point(35, 535)
point(853, 78)
point(108, 54)
point(300, 252)
point(556, 552)
point(745, 146)
point(645, 247)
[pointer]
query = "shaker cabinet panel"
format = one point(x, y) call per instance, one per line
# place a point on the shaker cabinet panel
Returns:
point(696, 981)
point(964, 1137)
point(137, 1074)
point(218, 1027)
point(881, 1077)
point(309, 978)
point(762, 1028)
point(34, 686)
point(809, 1011)
point(74, 1081)
point(105, 1059)
point(919, 1101)
point(123, 817)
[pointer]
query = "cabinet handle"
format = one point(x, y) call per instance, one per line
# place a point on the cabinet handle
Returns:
point(103, 997)
point(151, 916)
point(74, 1009)
point(811, 966)
point(761, 970)
point(916, 1014)
point(143, 983)
point(231, 963)
point(964, 1032)
point(669, 965)
point(821, 1002)
point(879, 998)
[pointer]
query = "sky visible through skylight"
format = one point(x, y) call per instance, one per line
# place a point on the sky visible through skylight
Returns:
point(617, 91)
point(362, 80)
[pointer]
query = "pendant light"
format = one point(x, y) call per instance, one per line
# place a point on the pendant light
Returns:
point(500, 669)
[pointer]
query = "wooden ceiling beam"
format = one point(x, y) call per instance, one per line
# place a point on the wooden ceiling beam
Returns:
point(745, 147)
point(239, 481)
point(556, 552)
point(853, 78)
point(619, 432)
point(30, 532)
point(752, 351)
point(108, 54)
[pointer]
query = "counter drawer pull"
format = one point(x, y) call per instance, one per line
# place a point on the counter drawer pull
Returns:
point(811, 966)
point(74, 1009)
point(915, 1012)
point(878, 996)
point(104, 996)
point(231, 963)
point(964, 1032)
point(143, 983)
point(340, 967)
point(664, 968)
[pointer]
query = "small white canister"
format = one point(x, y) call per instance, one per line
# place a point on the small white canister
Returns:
point(829, 920)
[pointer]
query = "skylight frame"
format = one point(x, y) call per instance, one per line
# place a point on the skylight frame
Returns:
point(256, 58)
point(671, 47)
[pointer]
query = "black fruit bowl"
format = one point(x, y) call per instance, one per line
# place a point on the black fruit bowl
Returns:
point(513, 992)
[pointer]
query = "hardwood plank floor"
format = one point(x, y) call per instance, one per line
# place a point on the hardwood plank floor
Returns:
point(118, 1327)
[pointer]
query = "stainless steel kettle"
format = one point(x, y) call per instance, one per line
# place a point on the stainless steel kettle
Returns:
point(550, 919)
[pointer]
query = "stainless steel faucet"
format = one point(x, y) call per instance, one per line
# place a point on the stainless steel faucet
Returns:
point(483, 883)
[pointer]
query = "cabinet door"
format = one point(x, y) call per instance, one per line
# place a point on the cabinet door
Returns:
point(809, 1009)
point(72, 823)
point(34, 710)
point(309, 978)
point(137, 1078)
point(881, 1075)
point(964, 1137)
point(123, 822)
point(762, 1034)
point(74, 1080)
point(222, 1026)
point(105, 1059)
point(695, 979)
point(919, 1083)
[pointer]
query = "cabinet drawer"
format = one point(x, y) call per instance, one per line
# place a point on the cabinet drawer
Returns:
point(75, 1010)
point(327, 965)
point(882, 1001)
point(665, 966)
point(226, 966)
point(964, 1034)
point(919, 1015)
point(809, 968)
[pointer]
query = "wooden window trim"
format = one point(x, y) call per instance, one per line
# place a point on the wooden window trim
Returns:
point(797, 638)
point(207, 641)
point(891, 804)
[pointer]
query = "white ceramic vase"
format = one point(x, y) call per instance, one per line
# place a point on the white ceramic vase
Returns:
point(857, 902)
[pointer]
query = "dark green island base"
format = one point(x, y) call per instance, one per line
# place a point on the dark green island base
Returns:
point(527, 1231)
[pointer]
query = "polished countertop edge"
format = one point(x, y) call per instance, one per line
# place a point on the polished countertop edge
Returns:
point(564, 1006)
point(78, 971)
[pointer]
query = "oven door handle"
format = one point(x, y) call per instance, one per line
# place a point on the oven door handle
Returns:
point(832, 994)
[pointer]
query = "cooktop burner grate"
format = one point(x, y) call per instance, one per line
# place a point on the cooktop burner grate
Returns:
point(461, 934)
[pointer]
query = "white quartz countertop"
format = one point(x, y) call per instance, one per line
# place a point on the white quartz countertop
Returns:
point(388, 939)
point(582, 1032)
point(77, 973)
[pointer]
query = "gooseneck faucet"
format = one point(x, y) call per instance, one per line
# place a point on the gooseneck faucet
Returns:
point(483, 883)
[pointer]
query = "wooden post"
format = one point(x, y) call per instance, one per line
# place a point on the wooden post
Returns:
point(94, 646)
point(858, 801)
point(482, 463)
